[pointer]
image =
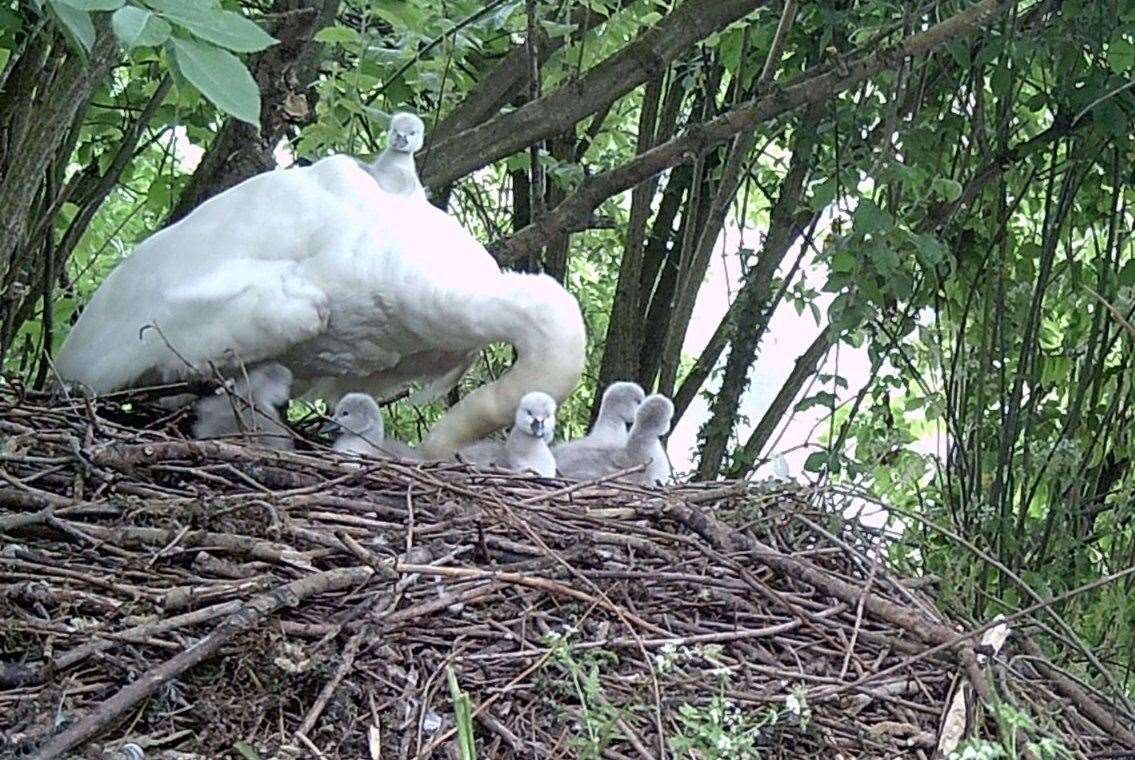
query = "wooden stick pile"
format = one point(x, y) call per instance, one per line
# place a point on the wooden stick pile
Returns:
point(207, 600)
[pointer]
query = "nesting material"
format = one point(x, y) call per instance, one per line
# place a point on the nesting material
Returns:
point(202, 599)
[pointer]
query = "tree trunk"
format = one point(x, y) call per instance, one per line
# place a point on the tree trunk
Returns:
point(47, 91)
point(805, 367)
point(624, 328)
point(283, 73)
point(752, 300)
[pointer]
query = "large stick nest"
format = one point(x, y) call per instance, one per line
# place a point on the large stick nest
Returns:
point(211, 600)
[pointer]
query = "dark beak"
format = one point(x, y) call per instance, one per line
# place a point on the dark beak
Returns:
point(400, 141)
point(330, 427)
point(538, 428)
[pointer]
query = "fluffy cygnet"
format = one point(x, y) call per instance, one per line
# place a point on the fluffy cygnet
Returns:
point(526, 447)
point(616, 414)
point(394, 169)
point(358, 421)
point(643, 446)
point(249, 409)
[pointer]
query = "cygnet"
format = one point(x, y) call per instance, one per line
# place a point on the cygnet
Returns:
point(249, 409)
point(643, 447)
point(394, 168)
point(616, 415)
point(526, 447)
point(358, 421)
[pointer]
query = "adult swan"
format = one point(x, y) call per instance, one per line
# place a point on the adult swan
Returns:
point(350, 287)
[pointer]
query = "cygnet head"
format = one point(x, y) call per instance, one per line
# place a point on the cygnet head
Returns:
point(621, 400)
point(536, 415)
point(359, 414)
point(653, 417)
point(271, 384)
point(407, 133)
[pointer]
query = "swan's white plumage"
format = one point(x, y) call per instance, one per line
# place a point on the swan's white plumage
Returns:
point(526, 447)
point(361, 430)
point(350, 287)
point(643, 447)
point(248, 409)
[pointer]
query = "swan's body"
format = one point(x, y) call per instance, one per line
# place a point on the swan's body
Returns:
point(350, 287)
point(616, 414)
point(358, 420)
point(394, 169)
point(526, 447)
point(643, 447)
point(249, 409)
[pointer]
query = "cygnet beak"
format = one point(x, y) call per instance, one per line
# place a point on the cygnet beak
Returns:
point(330, 427)
point(399, 141)
point(538, 427)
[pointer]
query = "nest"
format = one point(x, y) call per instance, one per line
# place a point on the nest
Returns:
point(204, 599)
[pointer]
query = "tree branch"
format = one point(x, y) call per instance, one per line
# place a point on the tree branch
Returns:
point(815, 88)
point(805, 367)
point(646, 57)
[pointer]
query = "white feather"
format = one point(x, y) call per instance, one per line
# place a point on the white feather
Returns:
point(350, 287)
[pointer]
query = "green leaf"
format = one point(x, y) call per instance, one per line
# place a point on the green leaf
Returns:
point(220, 76)
point(94, 5)
point(246, 750)
point(947, 189)
point(843, 261)
point(337, 35)
point(931, 248)
point(136, 27)
point(816, 461)
point(1127, 274)
point(224, 28)
point(823, 194)
point(1120, 54)
point(77, 23)
point(870, 218)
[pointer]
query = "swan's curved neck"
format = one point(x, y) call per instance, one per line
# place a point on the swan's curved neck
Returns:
point(542, 321)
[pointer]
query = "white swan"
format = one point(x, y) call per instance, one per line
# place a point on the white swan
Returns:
point(248, 409)
point(358, 420)
point(394, 169)
point(616, 414)
point(643, 447)
point(348, 286)
point(526, 447)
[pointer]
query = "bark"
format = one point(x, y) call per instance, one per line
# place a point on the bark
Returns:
point(690, 284)
point(603, 84)
point(624, 328)
point(805, 367)
point(283, 73)
point(785, 224)
point(817, 87)
point(47, 90)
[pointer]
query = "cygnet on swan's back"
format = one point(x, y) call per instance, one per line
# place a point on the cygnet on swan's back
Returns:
point(526, 447)
point(249, 409)
point(652, 421)
point(358, 421)
point(616, 414)
point(394, 169)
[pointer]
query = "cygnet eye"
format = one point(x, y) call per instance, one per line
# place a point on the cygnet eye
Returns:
point(346, 414)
